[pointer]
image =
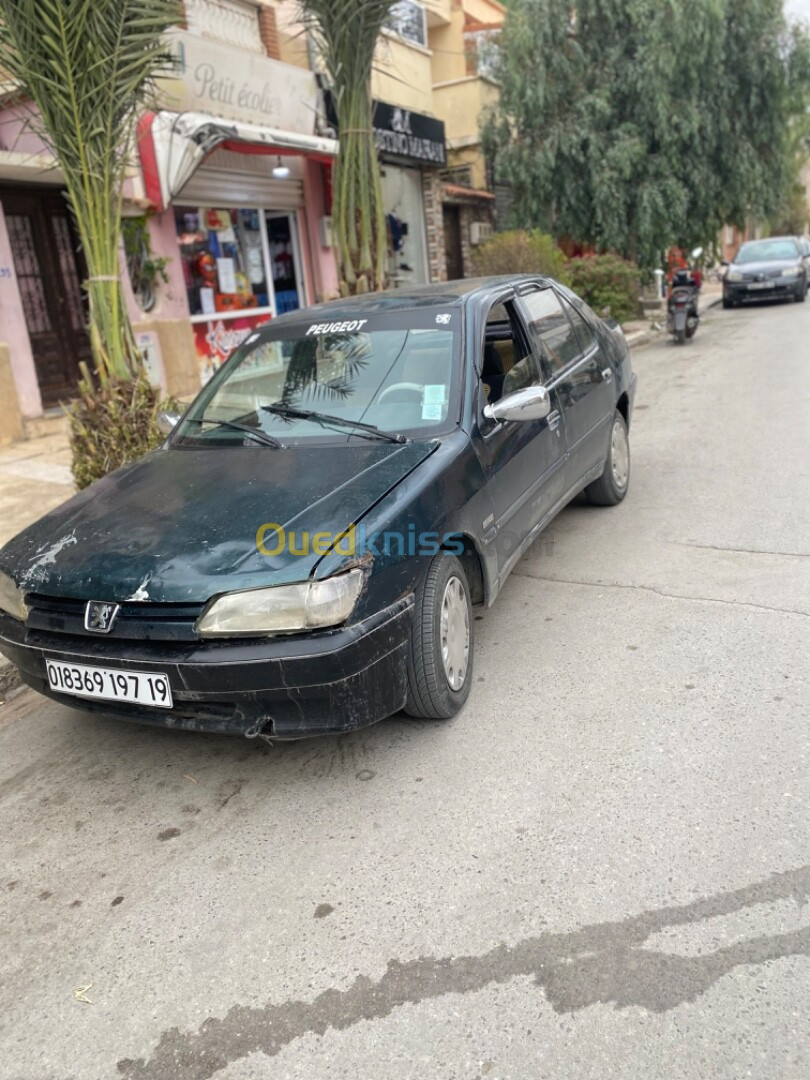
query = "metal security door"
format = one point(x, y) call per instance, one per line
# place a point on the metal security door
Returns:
point(46, 264)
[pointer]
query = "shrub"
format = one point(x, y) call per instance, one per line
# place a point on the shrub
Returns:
point(606, 281)
point(519, 252)
point(112, 423)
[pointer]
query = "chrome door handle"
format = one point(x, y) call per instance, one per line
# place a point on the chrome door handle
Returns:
point(607, 375)
point(554, 419)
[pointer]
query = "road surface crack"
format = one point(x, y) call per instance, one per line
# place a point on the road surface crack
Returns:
point(661, 592)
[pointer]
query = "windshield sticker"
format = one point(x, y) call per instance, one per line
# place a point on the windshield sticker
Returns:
point(443, 319)
point(434, 396)
point(347, 327)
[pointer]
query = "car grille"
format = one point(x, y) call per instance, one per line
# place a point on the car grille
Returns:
point(136, 621)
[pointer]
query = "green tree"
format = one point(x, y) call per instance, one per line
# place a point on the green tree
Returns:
point(635, 124)
point(346, 33)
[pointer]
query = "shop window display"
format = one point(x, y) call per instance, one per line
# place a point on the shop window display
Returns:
point(223, 259)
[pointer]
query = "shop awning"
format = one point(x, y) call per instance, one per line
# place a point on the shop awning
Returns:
point(172, 146)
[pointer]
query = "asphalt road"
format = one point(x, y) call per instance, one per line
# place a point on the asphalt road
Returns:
point(600, 869)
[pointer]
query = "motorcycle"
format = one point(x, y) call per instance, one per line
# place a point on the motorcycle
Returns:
point(682, 308)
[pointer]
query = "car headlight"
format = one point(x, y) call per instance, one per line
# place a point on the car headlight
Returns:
point(12, 599)
point(734, 275)
point(792, 271)
point(282, 609)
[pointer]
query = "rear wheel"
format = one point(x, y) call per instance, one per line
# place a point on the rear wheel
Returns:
point(680, 336)
point(612, 485)
point(441, 655)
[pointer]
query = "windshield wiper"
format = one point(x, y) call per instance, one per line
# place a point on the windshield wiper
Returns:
point(259, 436)
point(324, 418)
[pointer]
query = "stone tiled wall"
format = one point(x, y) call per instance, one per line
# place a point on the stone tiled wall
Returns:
point(434, 226)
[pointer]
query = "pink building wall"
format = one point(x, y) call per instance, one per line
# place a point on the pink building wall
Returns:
point(14, 332)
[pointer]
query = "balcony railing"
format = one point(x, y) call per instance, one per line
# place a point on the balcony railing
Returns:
point(233, 22)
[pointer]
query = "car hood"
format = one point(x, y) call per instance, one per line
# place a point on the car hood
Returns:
point(180, 525)
point(770, 266)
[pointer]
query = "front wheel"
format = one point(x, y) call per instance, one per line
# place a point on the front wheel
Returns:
point(441, 656)
point(727, 303)
point(612, 485)
point(802, 296)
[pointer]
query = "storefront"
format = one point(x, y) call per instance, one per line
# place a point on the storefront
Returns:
point(411, 149)
point(238, 177)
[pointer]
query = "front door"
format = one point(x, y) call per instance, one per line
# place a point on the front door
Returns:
point(452, 242)
point(46, 263)
point(524, 460)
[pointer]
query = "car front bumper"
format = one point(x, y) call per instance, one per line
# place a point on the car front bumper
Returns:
point(775, 288)
point(284, 687)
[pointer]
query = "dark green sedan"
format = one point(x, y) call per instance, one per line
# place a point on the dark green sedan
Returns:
point(303, 553)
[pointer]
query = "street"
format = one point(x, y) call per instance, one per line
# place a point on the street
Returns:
point(600, 868)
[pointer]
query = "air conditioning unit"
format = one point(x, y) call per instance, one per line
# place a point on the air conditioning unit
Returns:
point(480, 231)
point(326, 234)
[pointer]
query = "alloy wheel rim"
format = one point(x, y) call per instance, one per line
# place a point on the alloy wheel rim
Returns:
point(455, 633)
point(620, 455)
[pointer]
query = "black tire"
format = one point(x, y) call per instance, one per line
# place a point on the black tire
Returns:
point(612, 485)
point(727, 303)
point(680, 337)
point(430, 693)
point(802, 296)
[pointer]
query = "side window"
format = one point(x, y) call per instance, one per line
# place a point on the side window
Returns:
point(507, 364)
point(583, 330)
point(551, 328)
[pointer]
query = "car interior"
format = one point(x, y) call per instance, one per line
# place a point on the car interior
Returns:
point(507, 365)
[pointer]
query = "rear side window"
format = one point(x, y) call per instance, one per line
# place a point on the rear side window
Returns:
point(551, 327)
point(583, 330)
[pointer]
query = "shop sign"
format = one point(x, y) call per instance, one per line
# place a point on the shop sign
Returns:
point(216, 339)
point(238, 85)
point(408, 135)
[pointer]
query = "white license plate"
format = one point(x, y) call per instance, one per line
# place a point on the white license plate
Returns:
point(110, 684)
point(760, 285)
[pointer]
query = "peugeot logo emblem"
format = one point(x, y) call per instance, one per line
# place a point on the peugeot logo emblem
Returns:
point(99, 616)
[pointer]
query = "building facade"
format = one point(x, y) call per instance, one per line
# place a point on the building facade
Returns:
point(227, 208)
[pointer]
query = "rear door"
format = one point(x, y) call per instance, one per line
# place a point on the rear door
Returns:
point(578, 372)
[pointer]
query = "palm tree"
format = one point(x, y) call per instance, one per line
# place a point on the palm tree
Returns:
point(346, 33)
point(87, 66)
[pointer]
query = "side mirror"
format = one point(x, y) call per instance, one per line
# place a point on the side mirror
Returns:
point(531, 403)
point(167, 422)
point(724, 262)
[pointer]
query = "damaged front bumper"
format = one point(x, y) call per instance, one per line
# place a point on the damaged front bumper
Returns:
point(283, 688)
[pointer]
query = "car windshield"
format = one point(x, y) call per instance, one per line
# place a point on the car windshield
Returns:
point(767, 250)
point(368, 376)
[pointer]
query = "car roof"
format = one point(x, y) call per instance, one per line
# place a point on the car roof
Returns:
point(440, 294)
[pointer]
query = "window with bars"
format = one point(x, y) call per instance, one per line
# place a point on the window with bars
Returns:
point(407, 20)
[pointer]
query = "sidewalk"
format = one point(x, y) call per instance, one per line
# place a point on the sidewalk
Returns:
point(34, 478)
point(642, 331)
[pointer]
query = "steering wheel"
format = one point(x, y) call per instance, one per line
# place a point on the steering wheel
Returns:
point(408, 387)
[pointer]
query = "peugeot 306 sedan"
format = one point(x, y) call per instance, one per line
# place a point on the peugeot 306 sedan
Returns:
point(302, 554)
